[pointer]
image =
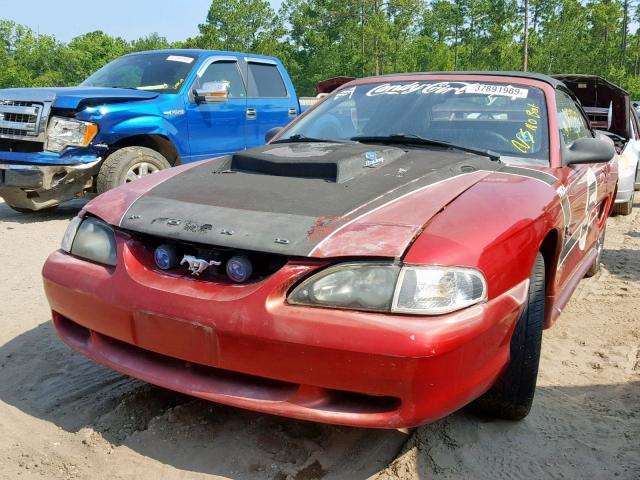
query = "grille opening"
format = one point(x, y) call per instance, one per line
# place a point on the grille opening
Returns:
point(71, 329)
point(20, 119)
point(353, 402)
point(264, 264)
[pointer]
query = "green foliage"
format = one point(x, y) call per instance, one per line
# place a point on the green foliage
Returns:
point(318, 39)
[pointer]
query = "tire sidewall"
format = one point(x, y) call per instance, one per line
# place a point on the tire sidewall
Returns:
point(511, 396)
point(113, 171)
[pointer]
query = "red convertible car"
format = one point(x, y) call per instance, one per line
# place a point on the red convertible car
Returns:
point(389, 257)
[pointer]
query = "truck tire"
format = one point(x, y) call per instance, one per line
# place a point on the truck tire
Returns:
point(512, 395)
point(128, 164)
point(624, 208)
point(595, 266)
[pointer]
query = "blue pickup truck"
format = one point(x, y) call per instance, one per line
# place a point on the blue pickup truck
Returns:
point(141, 113)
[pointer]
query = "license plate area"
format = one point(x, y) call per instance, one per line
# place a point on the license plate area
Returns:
point(175, 337)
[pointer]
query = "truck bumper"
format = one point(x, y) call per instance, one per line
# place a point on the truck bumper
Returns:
point(35, 186)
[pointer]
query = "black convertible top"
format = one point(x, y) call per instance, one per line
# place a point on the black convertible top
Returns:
point(530, 75)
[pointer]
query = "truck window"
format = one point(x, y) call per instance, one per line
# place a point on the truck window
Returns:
point(571, 121)
point(224, 72)
point(157, 72)
point(265, 81)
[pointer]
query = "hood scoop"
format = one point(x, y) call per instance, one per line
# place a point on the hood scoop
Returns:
point(333, 162)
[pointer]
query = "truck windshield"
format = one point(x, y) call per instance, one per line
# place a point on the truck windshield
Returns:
point(510, 120)
point(158, 72)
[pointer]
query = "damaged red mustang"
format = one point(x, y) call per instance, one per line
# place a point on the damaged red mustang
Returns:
point(388, 258)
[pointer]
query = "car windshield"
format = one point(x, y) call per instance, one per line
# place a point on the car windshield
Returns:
point(510, 120)
point(158, 72)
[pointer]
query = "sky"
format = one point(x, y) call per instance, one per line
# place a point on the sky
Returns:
point(130, 19)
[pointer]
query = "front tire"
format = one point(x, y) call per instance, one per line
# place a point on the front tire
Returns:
point(129, 164)
point(512, 395)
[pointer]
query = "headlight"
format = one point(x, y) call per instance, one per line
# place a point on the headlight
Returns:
point(435, 290)
point(91, 239)
point(67, 132)
point(70, 234)
point(418, 290)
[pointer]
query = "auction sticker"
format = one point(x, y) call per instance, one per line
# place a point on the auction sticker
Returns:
point(179, 58)
point(504, 90)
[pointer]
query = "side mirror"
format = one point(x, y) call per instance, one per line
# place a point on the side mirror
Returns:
point(212, 92)
point(588, 150)
point(272, 132)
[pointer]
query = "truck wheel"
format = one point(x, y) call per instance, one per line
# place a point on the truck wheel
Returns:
point(595, 266)
point(624, 208)
point(129, 164)
point(512, 395)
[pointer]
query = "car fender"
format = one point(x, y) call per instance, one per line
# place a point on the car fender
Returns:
point(497, 226)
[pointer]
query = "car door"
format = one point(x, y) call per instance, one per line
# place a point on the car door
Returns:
point(217, 128)
point(580, 195)
point(269, 103)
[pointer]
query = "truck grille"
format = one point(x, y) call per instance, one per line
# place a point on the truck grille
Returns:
point(20, 119)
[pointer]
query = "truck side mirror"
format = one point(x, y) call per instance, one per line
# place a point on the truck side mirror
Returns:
point(588, 150)
point(212, 92)
point(272, 132)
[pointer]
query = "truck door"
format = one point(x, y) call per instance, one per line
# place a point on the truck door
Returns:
point(218, 128)
point(269, 102)
point(580, 195)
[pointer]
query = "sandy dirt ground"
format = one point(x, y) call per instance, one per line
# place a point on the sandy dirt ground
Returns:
point(63, 417)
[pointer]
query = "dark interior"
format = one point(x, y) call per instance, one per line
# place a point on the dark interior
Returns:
point(596, 92)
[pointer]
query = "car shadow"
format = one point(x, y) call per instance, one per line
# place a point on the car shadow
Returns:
point(585, 431)
point(44, 378)
point(622, 262)
point(63, 212)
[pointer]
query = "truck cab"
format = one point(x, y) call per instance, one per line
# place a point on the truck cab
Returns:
point(139, 114)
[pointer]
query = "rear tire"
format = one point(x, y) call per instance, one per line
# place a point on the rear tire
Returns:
point(512, 395)
point(624, 208)
point(128, 164)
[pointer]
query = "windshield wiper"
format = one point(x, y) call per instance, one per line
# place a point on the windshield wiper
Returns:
point(298, 137)
point(411, 139)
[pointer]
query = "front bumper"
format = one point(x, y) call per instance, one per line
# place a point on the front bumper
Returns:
point(243, 345)
point(45, 182)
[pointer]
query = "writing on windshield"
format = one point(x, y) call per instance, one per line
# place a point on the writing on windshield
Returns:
point(501, 117)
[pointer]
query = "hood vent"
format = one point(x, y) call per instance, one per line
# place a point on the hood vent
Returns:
point(333, 162)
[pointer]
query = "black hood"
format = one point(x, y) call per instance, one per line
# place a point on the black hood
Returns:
point(270, 198)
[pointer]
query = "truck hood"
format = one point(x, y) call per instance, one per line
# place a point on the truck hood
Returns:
point(74, 98)
point(300, 199)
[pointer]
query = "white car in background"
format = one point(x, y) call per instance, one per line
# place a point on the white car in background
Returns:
point(612, 112)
